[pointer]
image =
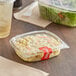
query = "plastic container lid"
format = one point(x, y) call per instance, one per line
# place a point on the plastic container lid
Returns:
point(63, 4)
point(61, 44)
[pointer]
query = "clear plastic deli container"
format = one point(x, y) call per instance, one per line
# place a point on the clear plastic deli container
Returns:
point(37, 45)
point(59, 11)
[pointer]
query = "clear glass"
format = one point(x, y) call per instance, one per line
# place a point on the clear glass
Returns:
point(5, 17)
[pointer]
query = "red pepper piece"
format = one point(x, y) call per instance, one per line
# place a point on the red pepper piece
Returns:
point(60, 15)
point(47, 52)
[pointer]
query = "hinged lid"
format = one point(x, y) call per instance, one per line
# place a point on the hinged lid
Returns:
point(63, 4)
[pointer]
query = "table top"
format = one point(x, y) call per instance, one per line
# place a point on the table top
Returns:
point(63, 65)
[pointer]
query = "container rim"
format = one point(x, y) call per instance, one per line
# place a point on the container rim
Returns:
point(66, 9)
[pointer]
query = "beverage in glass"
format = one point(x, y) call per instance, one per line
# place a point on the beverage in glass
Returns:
point(6, 7)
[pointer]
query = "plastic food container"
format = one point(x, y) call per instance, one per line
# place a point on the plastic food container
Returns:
point(37, 45)
point(59, 11)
